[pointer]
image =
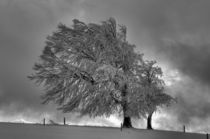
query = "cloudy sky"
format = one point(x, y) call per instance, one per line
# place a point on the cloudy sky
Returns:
point(175, 33)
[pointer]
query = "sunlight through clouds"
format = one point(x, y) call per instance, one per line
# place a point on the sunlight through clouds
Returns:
point(171, 77)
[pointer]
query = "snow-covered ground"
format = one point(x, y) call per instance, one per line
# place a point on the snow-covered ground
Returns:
point(33, 131)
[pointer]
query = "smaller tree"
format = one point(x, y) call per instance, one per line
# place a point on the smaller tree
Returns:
point(154, 88)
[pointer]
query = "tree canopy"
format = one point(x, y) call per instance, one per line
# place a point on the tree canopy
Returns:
point(154, 87)
point(92, 69)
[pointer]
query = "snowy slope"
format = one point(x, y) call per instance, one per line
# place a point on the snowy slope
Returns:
point(30, 131)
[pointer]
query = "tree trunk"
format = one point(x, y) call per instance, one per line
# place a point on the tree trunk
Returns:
point(126, 117)
point(149, 121)
point(127, 122)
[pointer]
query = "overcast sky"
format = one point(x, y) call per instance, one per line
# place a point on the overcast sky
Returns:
point(176, 33)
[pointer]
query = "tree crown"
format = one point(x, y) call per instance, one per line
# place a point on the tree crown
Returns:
point(86, 67)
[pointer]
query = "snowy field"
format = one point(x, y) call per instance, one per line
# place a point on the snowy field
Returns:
point(32, 131)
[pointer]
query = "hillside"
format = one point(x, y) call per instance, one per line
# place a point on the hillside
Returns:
point(33, 131)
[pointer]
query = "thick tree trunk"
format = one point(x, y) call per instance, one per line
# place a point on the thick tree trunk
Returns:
point(149, 121)
point(127, 122)
point(126, 117)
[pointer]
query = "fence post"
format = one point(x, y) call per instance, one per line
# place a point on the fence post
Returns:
point(64, 121)
point(207, 136)
point(44, 121)
point(184, 128)
point(121, 126)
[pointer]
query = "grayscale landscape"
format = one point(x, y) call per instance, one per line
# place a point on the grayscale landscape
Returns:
point(104, 69)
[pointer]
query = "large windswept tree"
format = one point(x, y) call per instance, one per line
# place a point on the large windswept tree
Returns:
point(93, 70)
point(154, 88)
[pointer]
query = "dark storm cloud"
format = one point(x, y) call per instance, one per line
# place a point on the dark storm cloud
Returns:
point(180, 30)
point(190, 59)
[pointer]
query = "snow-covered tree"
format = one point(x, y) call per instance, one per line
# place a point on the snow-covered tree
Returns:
point(154, 88)
point(93, 70)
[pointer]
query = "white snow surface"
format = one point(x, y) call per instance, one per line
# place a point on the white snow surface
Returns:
point(38, 131)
